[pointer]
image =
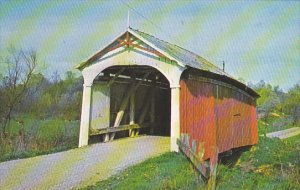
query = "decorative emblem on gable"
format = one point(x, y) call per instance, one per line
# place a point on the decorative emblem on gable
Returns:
point(126, 40)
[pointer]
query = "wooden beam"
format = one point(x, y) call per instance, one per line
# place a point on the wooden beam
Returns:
point(148, 50)
point(126, 42)
point(122, 41)
point(152, 110)
point(146, 109)
point(129, 81)
point(213, 162)
point(101, 53)
point(132, 113)
point(119, 128)
point(127, 39)
point(116, 76)
point(202, 167)
point(125, 101)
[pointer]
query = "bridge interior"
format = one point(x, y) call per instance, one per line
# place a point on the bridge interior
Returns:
point(128, 101)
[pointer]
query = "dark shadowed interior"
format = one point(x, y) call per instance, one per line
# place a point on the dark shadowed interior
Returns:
point(151, 102)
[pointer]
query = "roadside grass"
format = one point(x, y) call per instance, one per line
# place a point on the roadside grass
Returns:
point(168, 171)
point(272, 164)
point(35, 137)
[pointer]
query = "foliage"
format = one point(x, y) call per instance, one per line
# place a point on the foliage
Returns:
point(275, 124)
point(272, 164)
point(274, 100)
point(292, 102)
point(35, 137)
point(168, 171)
point(38, 115)
point(268, 98)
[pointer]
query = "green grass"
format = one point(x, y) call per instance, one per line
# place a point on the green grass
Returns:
point(272, 164)
point(35, 137)
point(168, 171)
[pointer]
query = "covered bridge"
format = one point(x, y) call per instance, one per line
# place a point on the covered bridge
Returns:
point(141, 84)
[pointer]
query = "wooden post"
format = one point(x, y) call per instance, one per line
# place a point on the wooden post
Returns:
point(143, 115)
point(175, 117)
point(106, 74)
point(146, 108)
point(152, 111)
point(124, 103)
point(85, 115)
point(132, 114)
point(211, 185)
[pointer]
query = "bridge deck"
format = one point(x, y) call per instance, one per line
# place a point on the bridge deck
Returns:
point(80, 167)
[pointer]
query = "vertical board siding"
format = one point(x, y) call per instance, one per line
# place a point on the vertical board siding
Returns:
point(198, 119)
point(215, 117)
point(100, 106)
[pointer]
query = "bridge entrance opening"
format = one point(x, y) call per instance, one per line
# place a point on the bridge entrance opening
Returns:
point(128, 101)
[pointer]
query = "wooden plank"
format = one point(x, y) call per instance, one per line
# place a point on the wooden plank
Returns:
point(200, 166)
point(129, 81)
point(152, 109)
point(115, 77)
point(119, 128)
point(126, 42)
point(211, 184)
point(132, 114)
point(125, 101)
point(103, 52)
point(148, 50)
point(146, 108)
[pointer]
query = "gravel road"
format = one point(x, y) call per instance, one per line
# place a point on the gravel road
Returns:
point(80, 167)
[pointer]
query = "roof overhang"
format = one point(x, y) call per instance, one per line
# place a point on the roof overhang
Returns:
point(127, 39)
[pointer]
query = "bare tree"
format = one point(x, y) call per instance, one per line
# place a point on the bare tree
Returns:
point(20, 69)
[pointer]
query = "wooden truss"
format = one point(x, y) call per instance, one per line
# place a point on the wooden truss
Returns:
point(128, 100)
point(126, 40)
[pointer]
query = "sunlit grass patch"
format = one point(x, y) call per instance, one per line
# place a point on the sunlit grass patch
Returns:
point(272, 164)
point(168, 171)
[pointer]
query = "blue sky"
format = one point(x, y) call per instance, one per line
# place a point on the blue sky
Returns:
point(258, 40)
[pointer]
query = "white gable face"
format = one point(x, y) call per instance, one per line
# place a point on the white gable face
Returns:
point(130, 50)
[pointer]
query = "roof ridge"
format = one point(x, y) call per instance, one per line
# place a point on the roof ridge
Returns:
point(197, 56)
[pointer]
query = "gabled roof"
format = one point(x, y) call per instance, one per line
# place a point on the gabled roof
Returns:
point(182, 56)
point(185, 57)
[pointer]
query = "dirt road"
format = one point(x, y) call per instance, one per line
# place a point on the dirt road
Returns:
point(80, 167)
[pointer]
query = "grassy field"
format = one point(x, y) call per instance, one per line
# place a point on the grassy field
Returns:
point(272, 164)
point(35, 137)
point(168, 171)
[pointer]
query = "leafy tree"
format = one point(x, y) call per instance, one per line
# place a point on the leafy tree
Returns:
point(292, 102)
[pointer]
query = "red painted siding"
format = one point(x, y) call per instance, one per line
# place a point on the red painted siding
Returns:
point(215, 117)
